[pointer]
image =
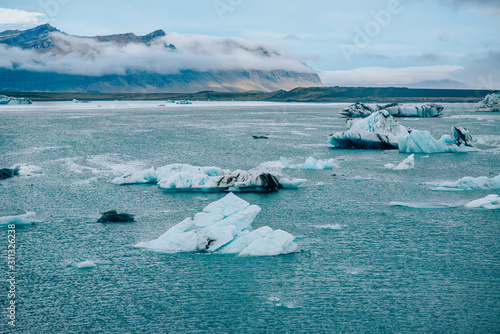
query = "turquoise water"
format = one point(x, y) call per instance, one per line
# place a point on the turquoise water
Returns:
point(382, 269)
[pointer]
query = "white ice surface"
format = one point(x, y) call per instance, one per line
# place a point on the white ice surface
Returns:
point(24, 219)
point(309, 164)
point(223, 227)
point(471, 183)
point(489, 202)
point(408, 163)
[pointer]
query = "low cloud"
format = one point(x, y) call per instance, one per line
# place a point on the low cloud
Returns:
point(384, 76)
point(18, 16)
point(86, 56)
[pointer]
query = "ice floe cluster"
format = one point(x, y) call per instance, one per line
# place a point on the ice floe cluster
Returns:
point(183, 177)
point(224, 227)
point(362, 110)
point(14, 100)
point(490, 103)
point(382, 131)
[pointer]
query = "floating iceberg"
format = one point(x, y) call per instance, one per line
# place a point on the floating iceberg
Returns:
point(395, 109)
point(184, 177)
point(408, 163)
point(224, 227)
point(488, 202)
point(14, 100)
point(6, 173)
point(409, 110)
point(356, 110)
point(379, 130)
point(490, 103)
point(423, 142)
point(471, 183)
point(25, 219)
point(310, 163)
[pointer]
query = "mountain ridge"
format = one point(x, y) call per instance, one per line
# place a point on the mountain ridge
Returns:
point(37, 72)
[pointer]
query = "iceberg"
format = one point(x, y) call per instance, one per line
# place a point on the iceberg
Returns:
point(489, 202)
point(356, 110)
point(25, 219)
point(224, 227)
point(408, 163)
point(423, 142)
point(6, 173)
point(395, 109)
point(379, 130)
point(409, 110)
point(490, 103)
point(14, 100)
point(309, 164)
point(182, 177)
point(471, 183)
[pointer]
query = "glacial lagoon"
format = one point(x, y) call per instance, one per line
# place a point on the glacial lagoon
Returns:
point(379, 250)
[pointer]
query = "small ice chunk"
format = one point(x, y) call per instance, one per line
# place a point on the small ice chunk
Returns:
point(24, 219)
point(86, 264)
point(309, 164)
point(408, 163)
point(489, 202)
point(490, 103)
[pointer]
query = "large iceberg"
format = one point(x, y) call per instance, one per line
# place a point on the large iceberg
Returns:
point(379, 130)
point(490, 103)
point(395, 109)
point(472, 183)
point(224, 227)
point(14, 100)
point(423, 142)
point(488, 202)
point(25, 219)
point(184, 177)
point(309, 164)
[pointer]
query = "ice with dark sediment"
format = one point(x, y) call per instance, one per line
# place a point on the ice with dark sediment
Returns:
point(14, 100)
point(356, 110)
point(423, 142)
point(362, 110)
point(224, 227)
point(410, 110)
point(490, 103)
point(183, 177)
point(379, 130)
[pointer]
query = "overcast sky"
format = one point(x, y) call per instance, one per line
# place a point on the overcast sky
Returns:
point(356, 42)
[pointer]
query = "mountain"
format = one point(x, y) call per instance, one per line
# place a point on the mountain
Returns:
point(439, 84)
point(46, 59)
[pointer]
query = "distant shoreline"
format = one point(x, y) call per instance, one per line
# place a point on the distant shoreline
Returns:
point(313, 95)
